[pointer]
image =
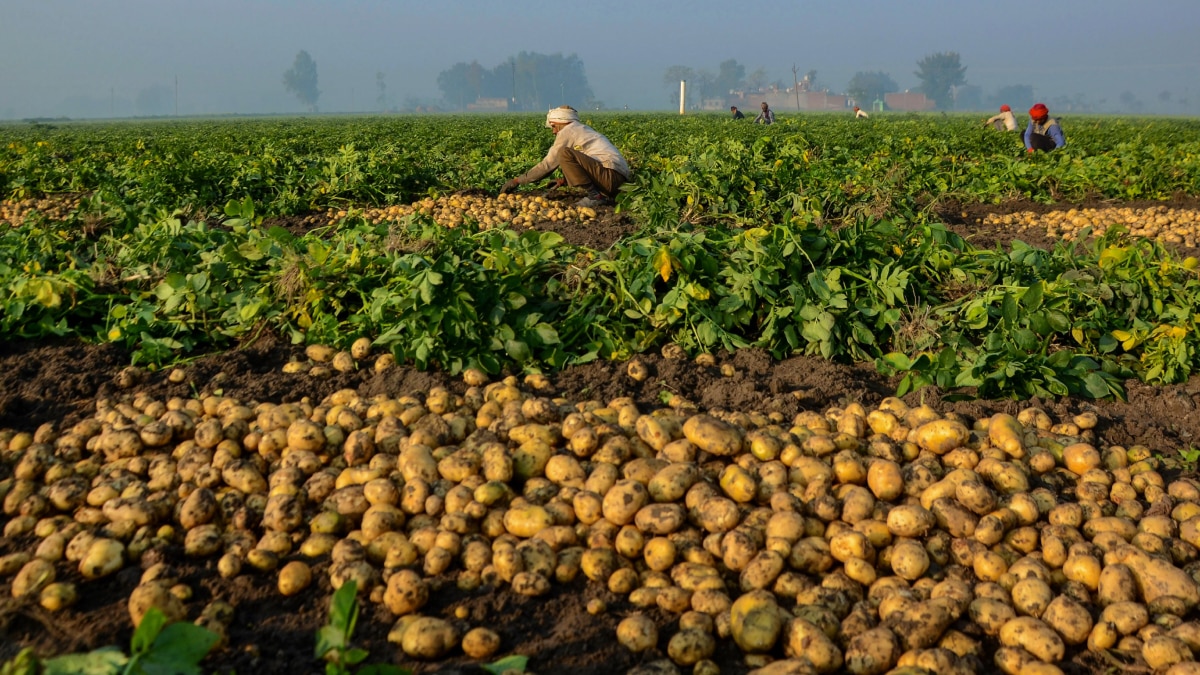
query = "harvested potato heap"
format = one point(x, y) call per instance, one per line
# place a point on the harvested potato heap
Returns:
point(518, 209)
point(1172, 225)
point(851, 540)
point(54, 207)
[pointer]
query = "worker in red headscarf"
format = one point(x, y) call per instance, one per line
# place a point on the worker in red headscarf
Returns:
point(1043, 132)
point(859, 113)
point(1005, 121)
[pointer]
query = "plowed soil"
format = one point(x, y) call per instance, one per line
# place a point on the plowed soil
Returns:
point(59, 381)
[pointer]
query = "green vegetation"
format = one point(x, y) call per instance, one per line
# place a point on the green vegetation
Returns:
point(156, 647)
point(814, 236)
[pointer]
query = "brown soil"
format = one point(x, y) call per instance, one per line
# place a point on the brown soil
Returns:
point(59, 381)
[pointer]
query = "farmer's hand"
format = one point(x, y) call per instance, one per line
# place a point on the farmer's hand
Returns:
point(557, 183)
point(509, 186)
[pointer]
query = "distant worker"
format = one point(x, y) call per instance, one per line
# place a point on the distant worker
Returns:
point(587, 159)
point(1043, 132)
point(737, 114)
point(766, 116)
point(859, 113)
point(1005, 121)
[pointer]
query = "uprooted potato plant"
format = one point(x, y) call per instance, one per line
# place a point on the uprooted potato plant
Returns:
point(848, 539)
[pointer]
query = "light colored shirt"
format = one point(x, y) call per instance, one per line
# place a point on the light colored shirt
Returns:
point(860, 113)
point(585, 139)
point(765, 117)
point(1009, 119)
point(1048, 128)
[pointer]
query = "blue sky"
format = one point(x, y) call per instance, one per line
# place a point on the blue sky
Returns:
point(86, 57)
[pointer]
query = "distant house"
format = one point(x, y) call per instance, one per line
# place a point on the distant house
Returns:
point(488, 105)
point(908, 101)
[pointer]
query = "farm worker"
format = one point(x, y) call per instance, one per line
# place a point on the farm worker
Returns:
point(1043, 132)
point(737, 114)
point(1005, 121)
point(587, 159)
point(766, 116)
point(859, 113)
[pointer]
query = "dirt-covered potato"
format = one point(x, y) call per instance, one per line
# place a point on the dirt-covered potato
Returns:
point(155, 594)
point(690, 646)
point(1069, 618)
point(1033, 636)
point(428, 638)
point(802, 639)
point(713, 436)
point(480, 643)
point(755, 621)
point(637, 633)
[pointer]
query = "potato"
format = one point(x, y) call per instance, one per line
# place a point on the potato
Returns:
point(885, 480)
point(1126, 617)
point(103, 557)
point(990, 614)
point(34, 576)
point(1014, 660)
point(1032, 597)
point(909, 559)
point(872, 652)
point(1006, 433)
point(624, 500)
point(527, 521)
point(803, 639)
point(713, 435)
point(1069, 618)
point(1163, 651)
point(1157, 577)
point(481, 643)
point(428, 638)
point(921, 624)
point(155, 594)
point(755, 622)
point(58, 596)
point(1035, 637)
point(687, 647)
point(940, 436)
point(910, 520)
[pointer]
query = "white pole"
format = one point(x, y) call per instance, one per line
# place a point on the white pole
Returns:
point(682, 95)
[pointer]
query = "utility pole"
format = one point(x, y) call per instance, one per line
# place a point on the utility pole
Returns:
point(796, 85)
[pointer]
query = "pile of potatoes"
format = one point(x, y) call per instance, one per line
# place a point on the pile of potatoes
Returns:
point(322, 360)
point(1177, 226)
point(890, 540)
point(519, 210)
point(53, 207)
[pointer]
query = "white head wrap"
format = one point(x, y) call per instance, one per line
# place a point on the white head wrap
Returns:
point(563, 114)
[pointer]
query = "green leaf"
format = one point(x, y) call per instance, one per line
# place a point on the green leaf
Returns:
point(1095, 385)
point(179, 650)
point(147, 631)
point(546, 333)
point(105, 661)
point(515, 662)
point(1032, 298)
point(518, 350)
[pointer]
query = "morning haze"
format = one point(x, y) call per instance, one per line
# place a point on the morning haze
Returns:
point(117, 58)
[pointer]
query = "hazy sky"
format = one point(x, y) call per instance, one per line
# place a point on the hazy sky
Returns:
point(91, 57)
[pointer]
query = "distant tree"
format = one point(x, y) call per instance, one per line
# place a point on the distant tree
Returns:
point(811, 78)
point(1130, 102)
point(381, 85)
point(730, 75)
point(154, 100)
point(938, 74)
point(968, 97)
point(757, 79)
point(866, 87)
point(301, 80)
point(1017, 96)
point(672, 78)
point(531, 81)
point(705, 84)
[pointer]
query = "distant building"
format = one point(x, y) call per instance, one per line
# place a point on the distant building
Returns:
point(489, 105)
point(908, 101)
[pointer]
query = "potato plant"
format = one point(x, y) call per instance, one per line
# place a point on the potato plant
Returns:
point(841, 540)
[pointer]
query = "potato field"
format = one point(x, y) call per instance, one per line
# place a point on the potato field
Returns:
point(305, 395)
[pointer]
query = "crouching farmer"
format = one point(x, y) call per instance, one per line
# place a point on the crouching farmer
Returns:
point(586, 158)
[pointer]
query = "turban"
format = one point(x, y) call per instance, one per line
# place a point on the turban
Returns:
point(563, 114)
point(1038, 111)
point(1005, 108)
